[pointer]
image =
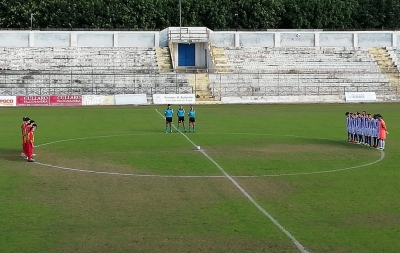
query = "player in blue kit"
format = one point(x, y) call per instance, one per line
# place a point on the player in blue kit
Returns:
point(359, 129)
point(353, 127)
point(367, 132)
point(375, 130)
point(168, 118)
point(192, 120)
point(348, 126)
point(181, 118)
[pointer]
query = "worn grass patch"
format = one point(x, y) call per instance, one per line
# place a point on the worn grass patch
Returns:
point(166, 214)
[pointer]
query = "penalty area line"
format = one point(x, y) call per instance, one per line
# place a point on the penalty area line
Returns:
point(262, 210)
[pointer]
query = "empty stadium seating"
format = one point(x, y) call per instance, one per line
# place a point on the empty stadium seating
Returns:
point(260, 69)
point(85, 70)
point(394, 53)
point(254, 71)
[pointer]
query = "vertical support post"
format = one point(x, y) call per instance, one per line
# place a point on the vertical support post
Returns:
point(180, 19)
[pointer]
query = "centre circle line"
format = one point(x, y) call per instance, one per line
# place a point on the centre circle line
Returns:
point(382, 156)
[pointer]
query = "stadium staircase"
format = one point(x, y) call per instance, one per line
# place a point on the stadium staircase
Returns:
point(200, 84)
point(220, 59)
point(164, 59)
point(386, 64)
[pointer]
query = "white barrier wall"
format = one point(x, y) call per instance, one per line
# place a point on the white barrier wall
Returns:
point(177, 99)
point(131, 99)
point(358, 97)
point(183, 99)
point(283, 99)
point(98, 100)
point(282, 38)
point(79, 39)
point(149, 39)
point(8, 100)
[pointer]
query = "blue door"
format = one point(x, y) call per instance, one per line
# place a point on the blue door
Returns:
point(186, 53)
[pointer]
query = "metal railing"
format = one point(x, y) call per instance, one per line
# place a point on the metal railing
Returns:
point(189, 34)
point(149, 81)
point(385, 93)
point(47, 91)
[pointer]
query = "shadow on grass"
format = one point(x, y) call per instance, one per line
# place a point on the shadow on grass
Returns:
point(343, 143)
point(11, 154)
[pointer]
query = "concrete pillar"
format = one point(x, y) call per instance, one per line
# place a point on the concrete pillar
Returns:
point(237, 39)
point(31, 39)
point(115, 37)
point(277, 39)
point(394, 39)
point(316, 39)
point(74, 39)
point(156, 39)
point(355, 39)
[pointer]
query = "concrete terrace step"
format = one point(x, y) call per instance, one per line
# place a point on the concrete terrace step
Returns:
point(386, 65)
point(220, 59)
point(200, 84)
point(164, 61)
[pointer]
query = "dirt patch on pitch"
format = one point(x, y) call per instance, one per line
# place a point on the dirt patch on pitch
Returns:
point(290, 148)
point(376, 220)
point(267, 187)
point(103, 213)
point(88, 164)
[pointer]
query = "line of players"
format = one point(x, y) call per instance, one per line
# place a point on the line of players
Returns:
point(28, 128)
point(362, 128)
point(169, 112)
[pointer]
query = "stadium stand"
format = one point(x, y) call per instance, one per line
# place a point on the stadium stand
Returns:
point(250, 71)
point(394, 53)
point(262, 68)
point(86, 70)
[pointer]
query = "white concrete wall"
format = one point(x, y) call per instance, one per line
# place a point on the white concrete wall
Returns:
point(201, 54)
point(283, 99)
point(79, 39)
point(306, 39)
point(256, 39)
point(136, 39)
point(278, 38)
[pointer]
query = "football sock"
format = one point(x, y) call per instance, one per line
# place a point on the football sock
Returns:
point(383, 144)
point(166, 129)
point(177, 128)
point(194, 128)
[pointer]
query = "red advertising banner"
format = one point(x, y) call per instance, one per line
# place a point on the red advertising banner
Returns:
point(66, 100)
point(33, 100)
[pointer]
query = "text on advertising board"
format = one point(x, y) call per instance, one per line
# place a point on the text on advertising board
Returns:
point(32, 100)
point(66, 100)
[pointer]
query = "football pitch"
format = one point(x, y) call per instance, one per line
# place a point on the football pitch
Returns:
point(268, 178)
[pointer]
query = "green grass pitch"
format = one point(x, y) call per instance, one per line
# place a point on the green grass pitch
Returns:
point(157, 193)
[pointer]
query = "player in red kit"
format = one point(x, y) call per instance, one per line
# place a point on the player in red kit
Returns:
point(31, 142)
point(27, 130)
point(23, 127)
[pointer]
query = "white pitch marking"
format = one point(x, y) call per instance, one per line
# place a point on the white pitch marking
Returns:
point(91, 137)
point(191, 176)
point(288, 234)
point(123, 174)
